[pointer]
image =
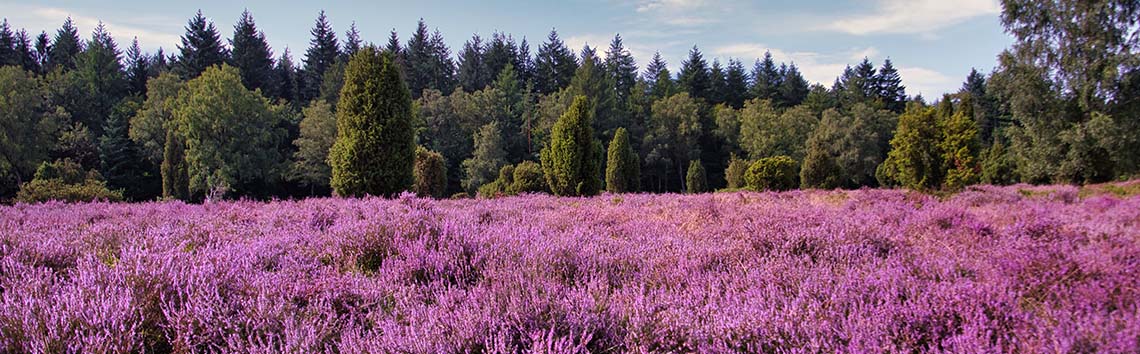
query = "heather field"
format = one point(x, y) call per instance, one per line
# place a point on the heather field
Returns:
point(1011, 269)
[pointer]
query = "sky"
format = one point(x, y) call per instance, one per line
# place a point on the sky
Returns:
point(934, 43)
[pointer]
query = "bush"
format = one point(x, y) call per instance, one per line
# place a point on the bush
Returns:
point(777, 173)
point(500, 186)
point(734, 173)
point(430, 174)
point(64, 180)
point(528, 178)
point(622, 171)
point(696, 180)
point(569, 161)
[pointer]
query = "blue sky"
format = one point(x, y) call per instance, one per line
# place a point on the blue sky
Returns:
point(933, 42)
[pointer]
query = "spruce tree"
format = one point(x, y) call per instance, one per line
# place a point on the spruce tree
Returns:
point(623, 171)
point(119, 159)
point(65, 47)
point(735, 84)
point(793, 89)
point(766, 78)
point(500, 52)
point(960, 147)
point(42, 52)
point(322, 53)
point(472, 70)
point(284, 79)
point(717, 83)
point(201, 48)
point(622, 70)
point(352, 42)
point(570, 161)
point(26, 52)
point(428, 64)
point(696, 180)
point(554, 65)
point(375, 147)
point(8, 54)
point(100, 73)
point(251, 54)
point(138, 69)
point(694, 77)
point(659, 79)
point(890, 88)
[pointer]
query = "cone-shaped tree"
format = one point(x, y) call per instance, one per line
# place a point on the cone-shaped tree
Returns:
point(915, 159)
point(623, 173)
point(570, 162)
point(431, 174)
point(175, 181)
point(375, 145)
point(251, 54)
point(201, 48)
point(696, 180)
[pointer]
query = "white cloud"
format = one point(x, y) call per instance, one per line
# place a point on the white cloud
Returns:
point(668, 5)
point(677, 13)
point(920, 17)
point(150, 36)
point(929, 83)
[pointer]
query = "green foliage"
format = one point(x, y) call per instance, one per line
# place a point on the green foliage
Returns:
point(201, 48)
point(528, 178)
point(735, 172)
point(696, 180)
point(960, 146)
point(850, 144)
point(28, 122)
point(317, 135)
point(820, 170)
point(321, 55)
point(570, 161)
point(501, 185)
point(175, 180)
point(777, 173)
point(251, 54)
point(64, 180)
point(375, 147)
point(916, 160)
point(430, 173)
point(623, 173)
point(554, 65)
point(671, 141)
point(997, 166)
point(149, 125)
point(230, 133)
point(120, 163)
point(764, 132)
point(488, 158)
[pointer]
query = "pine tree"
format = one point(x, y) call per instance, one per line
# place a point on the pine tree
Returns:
point(570, 161)
point(891, 89)
point(735, 84)
point(352, 42)
point(138, 69)
point(428, 62)
point(8, 54)
point(26, 52)
point(472, 69)
point(99, 71)
point(251, 54)
point(696, 180)
point(201, 48)
point(554, 65)
point(766, 78)
point(717, 83)
point(694, 77)
point(322, 53)
point(793, 89)
point(622, 70)
point(500, 52)
point(375, 147)
point(430, 174)
point(284, 79)
point(65, 47)
point(657, 74)
point(623, 171)
point(526, 63)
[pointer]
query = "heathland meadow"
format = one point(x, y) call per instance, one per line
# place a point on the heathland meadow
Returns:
point(991, 269)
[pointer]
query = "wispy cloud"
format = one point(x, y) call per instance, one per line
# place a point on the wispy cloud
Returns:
point(918, 17)
point(678, 13)
point(929, 83)
point(151, 34)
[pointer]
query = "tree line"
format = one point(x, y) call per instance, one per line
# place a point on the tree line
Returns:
point(230, 118)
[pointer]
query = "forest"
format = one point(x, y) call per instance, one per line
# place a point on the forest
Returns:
point(231, 117)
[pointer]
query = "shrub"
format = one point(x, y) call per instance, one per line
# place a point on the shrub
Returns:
point(734, 173)
point(569, 161)
point(776, 173)
point(696, 181)
point(430, 174)
point(500, 186)
point(64, 180)
point(622, 171)
point(528, 178)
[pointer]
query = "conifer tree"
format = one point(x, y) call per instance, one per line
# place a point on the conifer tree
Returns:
point(500, 52)
point(717, 83)
point(8, 54)
point(138, 69)
point(65, 47)
point(793, 89)
point(120, 162)
point(657, 74)
point(623, 170)
point(916, 160)
point(430, 174)
point(694, 77)
point(99, 71)
point(352, 42)
point(622, 70)
point(428, 64)
point(42, 52)
point(736, 84)
point(570, 161)
point(554, 65)
point(201, 48)
point(766, 78)
point(375, 147)
point(284, 79)
point(489, 157)
point(175, 180)
point(251, 54)
point(960, 147)
point(322, 53)
point(696, 180)
point(472, 69)
point(890, 88)
point(26, 53)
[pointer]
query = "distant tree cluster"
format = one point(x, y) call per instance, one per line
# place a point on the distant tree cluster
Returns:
point(229, 117)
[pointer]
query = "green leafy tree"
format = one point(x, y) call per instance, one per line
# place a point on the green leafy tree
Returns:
point(251, 54)
point(777, 173)
point(671, 141)
point(528, 178)
point(230, 133)
point(960, 147)
point(696, 180)
point(29, 123)
point(623, 171)
point(201, 48)
point(570, 161)
point(734, 173)
point(997, 166)
point(317, 135)
point(820, 170)
point(175, 178)
point(765, 132)
point(430, 173)
point(375, 147)
point(149, 125)
point(489, 156)
point(916, 159)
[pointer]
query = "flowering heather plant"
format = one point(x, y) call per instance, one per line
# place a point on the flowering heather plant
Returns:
point(992, 269)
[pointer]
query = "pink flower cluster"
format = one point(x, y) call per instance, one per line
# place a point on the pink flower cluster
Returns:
point(988, 270)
